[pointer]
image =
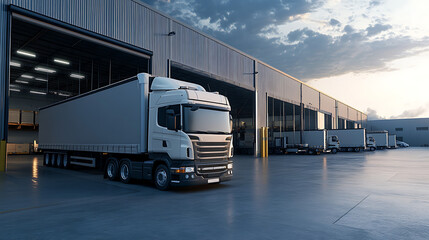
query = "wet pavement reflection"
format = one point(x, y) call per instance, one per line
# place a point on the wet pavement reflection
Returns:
point(331, 196)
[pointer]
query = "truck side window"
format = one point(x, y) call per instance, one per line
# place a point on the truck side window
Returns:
point(162, 114)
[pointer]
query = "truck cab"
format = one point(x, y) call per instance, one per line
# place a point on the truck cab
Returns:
point(370, 143)
point(190, 129)
point(333, 144)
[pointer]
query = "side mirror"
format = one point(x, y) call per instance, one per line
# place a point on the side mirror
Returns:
point(171, 119)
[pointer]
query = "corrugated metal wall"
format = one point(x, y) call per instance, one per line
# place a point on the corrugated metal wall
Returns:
point(327, 104)
point(279, 85)
point(342, 110)
point(195, 50)
point(310, 97)
point(353, 114)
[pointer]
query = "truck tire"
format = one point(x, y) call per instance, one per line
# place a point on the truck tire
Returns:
point(357, 149)
point(162, 177)
point(112, 169)
point(334, 151)
point(310, 152)
point(372, 149)
point(125, 171)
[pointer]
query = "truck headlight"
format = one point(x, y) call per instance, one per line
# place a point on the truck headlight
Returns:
point(229, 165)
point(185, 170)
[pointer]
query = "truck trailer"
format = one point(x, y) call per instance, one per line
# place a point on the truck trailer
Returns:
point(392, 141)
point(381, 138)
point(313, 142)
point(350, 139)
point(154, 128)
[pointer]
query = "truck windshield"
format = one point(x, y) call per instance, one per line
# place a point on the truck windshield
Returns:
point(205, 120)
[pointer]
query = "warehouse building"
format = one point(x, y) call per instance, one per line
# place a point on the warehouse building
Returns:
point(55, 49)
point(414, 131)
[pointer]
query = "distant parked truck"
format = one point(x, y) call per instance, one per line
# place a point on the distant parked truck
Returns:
point(313, 142)
point(381, 138)
point(155, 128)
point(350, 139)
point(370, 143)
point(392, 141)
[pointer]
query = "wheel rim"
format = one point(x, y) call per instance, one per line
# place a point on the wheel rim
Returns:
point(65, 161)
point(53, 160)
point(59, 160)
point(46, 159)
point(161, 177)
point(110, 169)
point(124, 172)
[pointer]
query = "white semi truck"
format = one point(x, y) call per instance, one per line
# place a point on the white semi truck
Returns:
point(155, 128)
point(313, 142)
point(350, 139)
point(381, 138)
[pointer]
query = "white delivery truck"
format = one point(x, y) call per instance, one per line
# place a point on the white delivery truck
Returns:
point(371, 143)
point(313, 142)
point(381, 138)
point(392, 141)
point(155, 128)
point(350, 139)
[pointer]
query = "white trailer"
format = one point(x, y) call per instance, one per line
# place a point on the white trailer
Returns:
point(392, 141)
point(313, 142)
point(350, 139)
point(155, 128)
point(381, 139)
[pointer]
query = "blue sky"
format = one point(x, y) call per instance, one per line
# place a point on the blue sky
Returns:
point(369, 54)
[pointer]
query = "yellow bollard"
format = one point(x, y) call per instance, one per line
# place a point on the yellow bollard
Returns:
point(3, 156)
point(266, 142)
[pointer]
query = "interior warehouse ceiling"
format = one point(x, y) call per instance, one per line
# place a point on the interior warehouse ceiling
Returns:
point(47, 62)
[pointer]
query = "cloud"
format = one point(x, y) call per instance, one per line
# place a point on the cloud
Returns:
point(304, 53)
point(413, 113)
point(373, 115)
point(334, 22)
point(377, 28)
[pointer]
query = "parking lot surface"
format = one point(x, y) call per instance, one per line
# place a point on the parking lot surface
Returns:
point(367, 195)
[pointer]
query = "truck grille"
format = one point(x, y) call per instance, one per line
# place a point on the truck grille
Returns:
point(211, 150)
point(211, 169)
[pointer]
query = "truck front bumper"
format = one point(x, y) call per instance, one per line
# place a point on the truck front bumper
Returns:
point(189, 179)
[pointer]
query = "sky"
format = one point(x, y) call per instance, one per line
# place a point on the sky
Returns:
point(370, 54)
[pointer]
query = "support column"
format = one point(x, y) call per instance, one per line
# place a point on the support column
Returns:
point(5, 17)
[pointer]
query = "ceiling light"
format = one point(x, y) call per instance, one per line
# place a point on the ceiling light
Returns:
point(20, 81)
point(41, 79)
point(27, 76)
point(15, 64)
point(61, 61)
point(78, 76)
point(25, 53)
point(14, 90)
point(44, 69)
point(36, 92)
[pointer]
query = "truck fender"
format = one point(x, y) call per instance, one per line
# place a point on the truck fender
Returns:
point(150, 166)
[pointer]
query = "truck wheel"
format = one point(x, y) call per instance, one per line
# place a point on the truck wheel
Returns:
point(372, 149)
point(46, 160)
point(112, 169)
point(124, 171)
point(357, 149)
point(334, 150)
point(162, 177)
point(310, 152)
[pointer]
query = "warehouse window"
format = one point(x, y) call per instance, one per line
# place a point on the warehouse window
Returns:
point(399, 129)
point(422, 128)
